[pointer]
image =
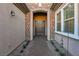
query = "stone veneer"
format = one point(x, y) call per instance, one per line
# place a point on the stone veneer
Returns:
point(34, 6)
point(27, 26)
point(52, 24)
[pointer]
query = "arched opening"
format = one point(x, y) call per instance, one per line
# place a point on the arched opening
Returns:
point(47, 20)
point(40, 24)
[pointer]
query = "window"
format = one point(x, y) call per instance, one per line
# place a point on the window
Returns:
point(59, 21)
point(69, 18)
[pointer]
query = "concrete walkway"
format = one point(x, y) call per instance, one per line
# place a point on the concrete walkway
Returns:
point(38, 47)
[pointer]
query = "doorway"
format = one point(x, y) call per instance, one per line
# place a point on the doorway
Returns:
point(40, 24)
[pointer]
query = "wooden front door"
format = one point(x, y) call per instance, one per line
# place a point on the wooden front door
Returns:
point(39, 27)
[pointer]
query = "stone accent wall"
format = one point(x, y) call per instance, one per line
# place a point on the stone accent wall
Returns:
point(52, 24)
point(33, 6)
point(27, 26)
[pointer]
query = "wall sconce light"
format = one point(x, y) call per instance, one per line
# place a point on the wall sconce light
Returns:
point(12, 13)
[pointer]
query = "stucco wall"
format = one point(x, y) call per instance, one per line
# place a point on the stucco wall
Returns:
point(12, 28)
point(72, 45)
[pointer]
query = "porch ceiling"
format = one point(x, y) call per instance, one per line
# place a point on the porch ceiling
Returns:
point(25, 7)
point(22, 7)
point(55, 6)
point(34, 6)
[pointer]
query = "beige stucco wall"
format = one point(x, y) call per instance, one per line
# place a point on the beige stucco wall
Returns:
point(12, 28)
point(72, 45)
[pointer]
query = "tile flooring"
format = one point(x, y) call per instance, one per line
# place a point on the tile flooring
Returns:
point(39, 46)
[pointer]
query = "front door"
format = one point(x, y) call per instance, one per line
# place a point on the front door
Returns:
point(40, 27)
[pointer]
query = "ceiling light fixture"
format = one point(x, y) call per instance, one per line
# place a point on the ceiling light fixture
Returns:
point(40, 4)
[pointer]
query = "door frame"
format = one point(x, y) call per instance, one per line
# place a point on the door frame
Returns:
point(48, 23)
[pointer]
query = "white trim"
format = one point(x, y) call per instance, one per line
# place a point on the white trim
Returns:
point(31, 26)
point(48, 23)
point(62, 21)
point(55, 21)
point(75, 35)
point(69, 19)
point(76, 19)
point(68, 35)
